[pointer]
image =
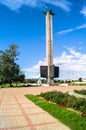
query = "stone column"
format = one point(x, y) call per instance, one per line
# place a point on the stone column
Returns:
point(49, 47)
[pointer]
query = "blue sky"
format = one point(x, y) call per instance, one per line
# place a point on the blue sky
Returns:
point(23, 23)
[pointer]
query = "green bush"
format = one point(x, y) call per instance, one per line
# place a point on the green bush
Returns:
point(80, 91)
point(71, 101)
point(64, 99)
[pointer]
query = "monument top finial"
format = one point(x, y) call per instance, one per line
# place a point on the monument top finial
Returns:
point(50, 11)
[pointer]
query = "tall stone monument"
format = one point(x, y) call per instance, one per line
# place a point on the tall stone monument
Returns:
point(49, 70)
point(49, 46)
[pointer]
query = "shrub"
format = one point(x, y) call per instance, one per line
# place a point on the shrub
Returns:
point(66, 100)
point(80, 91)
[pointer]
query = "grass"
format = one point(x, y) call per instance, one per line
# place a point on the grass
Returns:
point(14, 85)
point(73, 120)
point(4, 86)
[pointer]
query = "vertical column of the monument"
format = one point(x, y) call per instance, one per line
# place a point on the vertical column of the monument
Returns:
point(49, 46)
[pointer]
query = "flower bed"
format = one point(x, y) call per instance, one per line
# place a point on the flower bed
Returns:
point(65, 100)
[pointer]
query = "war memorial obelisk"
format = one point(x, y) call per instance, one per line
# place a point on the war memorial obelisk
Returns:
point(49, 46)
point(50, 70)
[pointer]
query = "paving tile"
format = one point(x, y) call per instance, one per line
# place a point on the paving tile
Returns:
point(9, 122)
point(10, 112)
point(11, 103)
point(9, 107)
point(52, 127)
point(24, 128)
point(33, 110)
point(42, 118)
point(27, 105)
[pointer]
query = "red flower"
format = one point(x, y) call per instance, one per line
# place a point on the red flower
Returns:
point(83, 114)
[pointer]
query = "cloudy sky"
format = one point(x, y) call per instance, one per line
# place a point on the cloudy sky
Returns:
point(23, 23)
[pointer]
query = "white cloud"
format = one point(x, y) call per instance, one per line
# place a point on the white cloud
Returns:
point(72, 65)
point(33, 72)
point(83, 26)
point(65, 31)
point(36, 67)
point(64, 4)
point(74, 53)
point(16, 4)
point(83, 11)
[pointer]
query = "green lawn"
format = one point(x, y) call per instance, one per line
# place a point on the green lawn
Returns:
point(73, 120)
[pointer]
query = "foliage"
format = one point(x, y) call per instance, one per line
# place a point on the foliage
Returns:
point(9, 69)
point(31, 80)
point(80, 91)
point(44, 81)
point(66, 100)
point(69, 118)
point(6, 85)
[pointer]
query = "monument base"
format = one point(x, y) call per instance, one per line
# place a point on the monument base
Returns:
point(47, 85)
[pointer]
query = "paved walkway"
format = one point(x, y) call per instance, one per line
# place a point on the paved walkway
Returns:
point(19, 113)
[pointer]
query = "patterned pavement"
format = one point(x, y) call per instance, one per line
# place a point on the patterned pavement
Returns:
point(19, 113)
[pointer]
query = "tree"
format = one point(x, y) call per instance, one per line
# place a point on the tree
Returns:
point(9, 69)
point(20, 77)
